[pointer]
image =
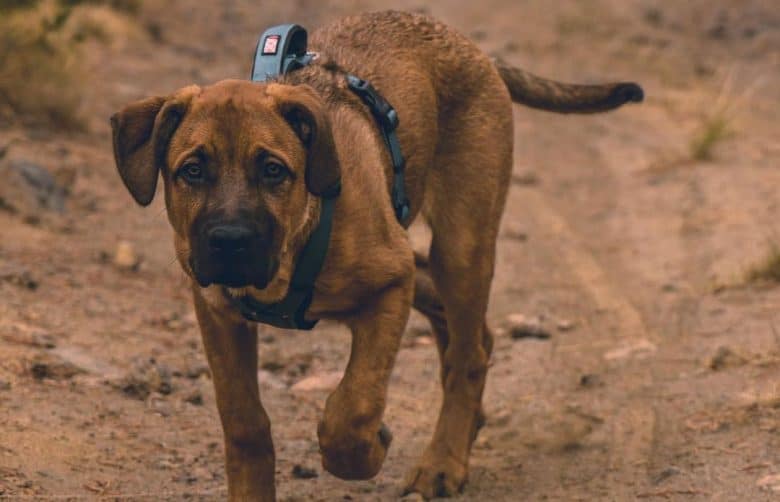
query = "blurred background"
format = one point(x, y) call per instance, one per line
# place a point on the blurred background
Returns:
point(635, 299)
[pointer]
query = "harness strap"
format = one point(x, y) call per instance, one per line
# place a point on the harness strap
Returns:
point(387, 119)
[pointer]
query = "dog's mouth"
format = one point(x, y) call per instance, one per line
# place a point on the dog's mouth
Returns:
point(237, 278)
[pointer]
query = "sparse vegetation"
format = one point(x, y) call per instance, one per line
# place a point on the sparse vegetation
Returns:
point(718, 124)
point(714, 128)
point(40, 77)
point(768, 270)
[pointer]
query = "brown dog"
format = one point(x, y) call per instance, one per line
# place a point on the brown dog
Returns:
point(242, 164)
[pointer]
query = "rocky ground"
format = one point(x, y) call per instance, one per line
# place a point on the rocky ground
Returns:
point(633, 362)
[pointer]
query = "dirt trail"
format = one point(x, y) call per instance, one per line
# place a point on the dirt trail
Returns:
point(656, 384)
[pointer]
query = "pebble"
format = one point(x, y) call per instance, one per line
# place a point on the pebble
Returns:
point(25, 334)
point(125, 256)
point(565, 325)
point(525, 178)
point(145, 378)
point(724, 358)
point(519, 326)
point(319, 381)
point(590, 380)
point(195, 398)
point(640, 348)
point(770, 483)
point(49, 366)
point(301, 472)
point(666, 474)
point(18, 276)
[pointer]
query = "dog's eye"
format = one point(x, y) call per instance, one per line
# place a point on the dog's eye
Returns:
point(273, 172)
point(191, 172)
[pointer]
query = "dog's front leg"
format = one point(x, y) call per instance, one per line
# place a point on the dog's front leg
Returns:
point(231, 348)
point(353, 439)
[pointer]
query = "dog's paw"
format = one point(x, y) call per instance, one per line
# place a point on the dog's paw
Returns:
point(444, 477)
point(350, 456)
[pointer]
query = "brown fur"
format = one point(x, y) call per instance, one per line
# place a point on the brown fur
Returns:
point(456, 133)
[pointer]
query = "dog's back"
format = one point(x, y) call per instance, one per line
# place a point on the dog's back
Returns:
point(445, 89)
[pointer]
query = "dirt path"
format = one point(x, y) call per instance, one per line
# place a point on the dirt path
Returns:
point(656, 384)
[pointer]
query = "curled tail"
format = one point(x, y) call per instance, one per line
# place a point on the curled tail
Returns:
point(553, 96)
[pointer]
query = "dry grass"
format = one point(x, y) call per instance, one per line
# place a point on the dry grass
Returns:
point(719, 123)
point(40, 76)
point(713, 130)
point(767, 270)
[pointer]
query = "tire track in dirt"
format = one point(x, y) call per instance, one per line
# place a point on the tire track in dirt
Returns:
point(632, 426)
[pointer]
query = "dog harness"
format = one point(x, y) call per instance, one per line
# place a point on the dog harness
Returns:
point(282, 49)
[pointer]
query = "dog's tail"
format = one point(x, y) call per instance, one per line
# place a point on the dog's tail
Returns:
point(559, 97)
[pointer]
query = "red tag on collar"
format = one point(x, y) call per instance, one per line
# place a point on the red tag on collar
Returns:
point(271, 45)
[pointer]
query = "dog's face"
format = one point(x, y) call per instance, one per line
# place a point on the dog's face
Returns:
point(241, 163)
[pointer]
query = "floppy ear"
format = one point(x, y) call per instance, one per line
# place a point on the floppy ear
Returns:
point(141, 133)
point(304, 110)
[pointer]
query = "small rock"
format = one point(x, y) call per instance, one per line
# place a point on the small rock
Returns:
point(28, 189)
point(4, 385)
point(145, 377)
point(666, 474)
point(320, 381)
point(301, 472)
point(423, 341)
point(413, 497)
point(520, 326)
point(173, 321)
point(526, 178)
point(18, 276)
point(195, 398)
point(125, 256)
point(590, 381)
point(640, 348)
point(48, 366)
point(770, 483)
point(565, 325)
point(25, 334)
point(516, 235)
point(724, 358)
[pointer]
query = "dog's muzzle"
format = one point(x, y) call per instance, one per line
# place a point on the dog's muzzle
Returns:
point(234, 254)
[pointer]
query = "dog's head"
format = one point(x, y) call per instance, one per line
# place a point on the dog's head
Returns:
point(241, 165)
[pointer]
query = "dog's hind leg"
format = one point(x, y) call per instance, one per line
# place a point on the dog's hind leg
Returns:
point(466, 190)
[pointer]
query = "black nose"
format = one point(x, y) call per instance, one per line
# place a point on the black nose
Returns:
point(230, 239)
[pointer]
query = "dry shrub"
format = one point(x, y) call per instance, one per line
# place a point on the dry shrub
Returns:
point(40, 74)
point(768, 269)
